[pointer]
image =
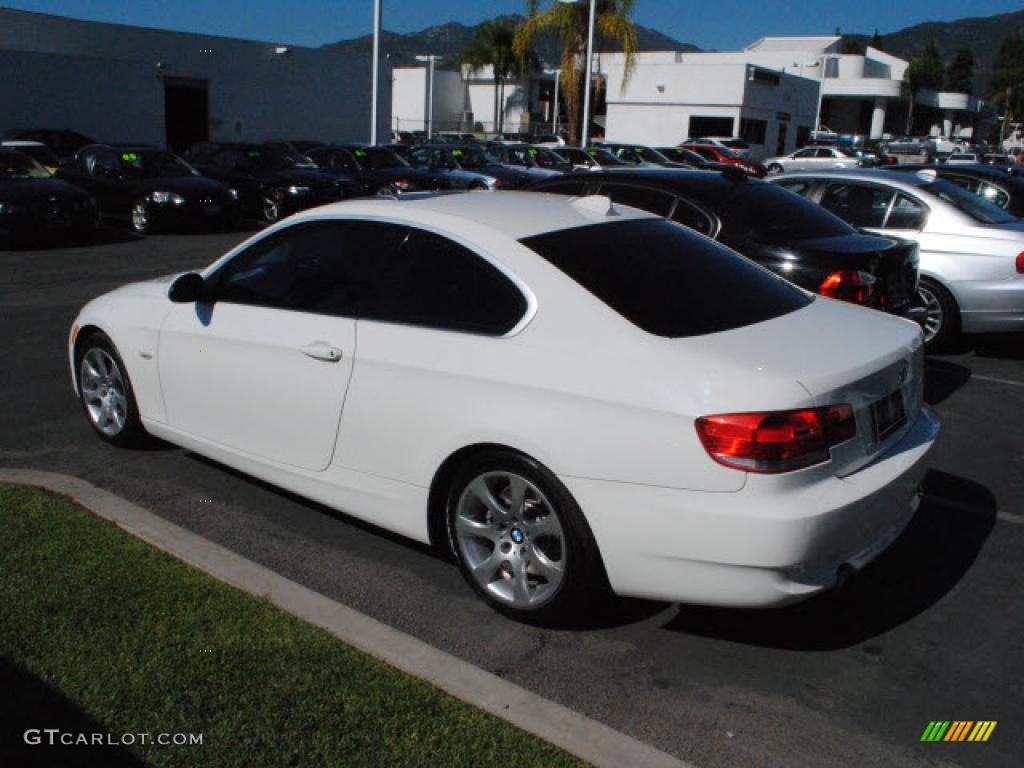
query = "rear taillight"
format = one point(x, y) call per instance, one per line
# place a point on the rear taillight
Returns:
point(1020, 263)
point(777, 441)
point(849, 285)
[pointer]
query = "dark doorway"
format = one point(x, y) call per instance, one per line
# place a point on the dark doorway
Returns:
point(780, 145)
point(186, 111)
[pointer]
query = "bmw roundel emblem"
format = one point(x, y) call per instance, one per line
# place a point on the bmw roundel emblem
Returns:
point(517, 536)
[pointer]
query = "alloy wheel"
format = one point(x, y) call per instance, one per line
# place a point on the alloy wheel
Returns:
point(140, 217)
point(510, 539)
point(933, 313)
point(273, 204)
point(103, 392)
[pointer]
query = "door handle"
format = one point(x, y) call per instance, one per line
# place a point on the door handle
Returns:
point(321, 350)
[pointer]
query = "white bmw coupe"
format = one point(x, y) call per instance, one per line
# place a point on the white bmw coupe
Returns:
point(567, 394)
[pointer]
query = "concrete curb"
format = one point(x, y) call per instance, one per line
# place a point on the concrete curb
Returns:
point(561, 726)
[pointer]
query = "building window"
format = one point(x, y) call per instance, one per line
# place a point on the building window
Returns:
point(803, 135)
point(753, 131)
point(710, 126)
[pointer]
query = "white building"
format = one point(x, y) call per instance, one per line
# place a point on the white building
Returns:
point(118, 83)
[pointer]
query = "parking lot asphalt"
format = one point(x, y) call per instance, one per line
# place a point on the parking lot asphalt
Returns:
point(932, 630)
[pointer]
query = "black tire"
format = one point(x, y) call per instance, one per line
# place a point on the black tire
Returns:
point(132, 433)
point(775, 169)
point(583, 581)
point(476, 186)
point(941, 307)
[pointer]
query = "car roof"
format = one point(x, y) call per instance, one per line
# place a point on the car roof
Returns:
point(896, 178)
point(516, 214)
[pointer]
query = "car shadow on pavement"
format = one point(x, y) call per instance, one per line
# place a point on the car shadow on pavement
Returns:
point(1004, 346)
point(923, 564)
point(33, 705)
point(942, 378)
point(103, 235)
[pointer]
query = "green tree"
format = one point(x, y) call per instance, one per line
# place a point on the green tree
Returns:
point(876, 41)
point(924, 72)
point(1006, 85)
point(568, 22)
point(960, 72)
point(853, 45)
point(493, 47)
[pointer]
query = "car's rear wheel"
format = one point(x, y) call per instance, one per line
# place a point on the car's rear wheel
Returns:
point(520, 539)
point(388, 190)
point(775, 168)
point(106, 393)
point(942, 316)
point(477, 185)
point(142, 217)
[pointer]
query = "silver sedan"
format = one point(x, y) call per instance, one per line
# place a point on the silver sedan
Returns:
point(972, 252)
point(813, 159)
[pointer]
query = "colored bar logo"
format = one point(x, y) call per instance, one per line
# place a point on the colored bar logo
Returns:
point(958, 730)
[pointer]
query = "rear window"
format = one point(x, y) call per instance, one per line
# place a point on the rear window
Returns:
point(667, 280)
point(759, 212)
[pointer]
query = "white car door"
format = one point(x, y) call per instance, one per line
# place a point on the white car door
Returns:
point(263, 367)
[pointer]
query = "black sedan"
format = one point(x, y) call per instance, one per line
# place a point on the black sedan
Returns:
point(789, 235)
point(151, 189)
point(992, 183)
point(379, 170)
point(35, 206)
point(272, 181)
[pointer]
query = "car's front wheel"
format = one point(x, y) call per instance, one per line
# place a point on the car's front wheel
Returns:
point(775, 169)
point(520, 539)
point(106, 392)
point(272, 204)
point(142, 217)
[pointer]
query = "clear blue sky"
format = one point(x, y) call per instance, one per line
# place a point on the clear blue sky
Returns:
point(719, 24)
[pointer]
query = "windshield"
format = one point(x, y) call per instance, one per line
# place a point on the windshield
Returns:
point(279, 158)
point(376, 158)
point(736, 144)
point(14, 165)
point(603, 157)
point(546, 158)
point(682, 155)
point(666, 279)
point(41, 154)
point(651, 155)
point(471, 157)
point(966, 202)
point(846, 151)
point(766, 213)
point(150, 164)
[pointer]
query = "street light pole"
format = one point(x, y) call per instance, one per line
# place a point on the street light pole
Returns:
point(430, 91)
point(586, 82)
point(375, 88)
point(558, 74)
point(821, 92)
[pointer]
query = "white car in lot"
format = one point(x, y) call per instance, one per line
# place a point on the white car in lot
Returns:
point(565, 393)
point(972, 251)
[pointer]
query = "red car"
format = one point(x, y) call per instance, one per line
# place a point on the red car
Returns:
point(716, 154)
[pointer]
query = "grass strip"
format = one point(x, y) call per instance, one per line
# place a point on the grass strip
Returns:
point(100, 630)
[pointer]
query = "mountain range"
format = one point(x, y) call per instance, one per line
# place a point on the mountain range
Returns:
point(982, 36)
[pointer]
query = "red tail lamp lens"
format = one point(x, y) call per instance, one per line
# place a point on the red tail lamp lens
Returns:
point(849, 285)
point(776, 441)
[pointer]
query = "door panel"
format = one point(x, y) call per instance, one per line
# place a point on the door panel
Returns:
point(242, 376)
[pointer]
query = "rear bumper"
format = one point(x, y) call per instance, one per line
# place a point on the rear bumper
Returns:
point(765, 545)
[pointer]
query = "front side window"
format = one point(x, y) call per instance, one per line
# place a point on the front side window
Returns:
point(665, 279)
point(906, 213)
point(374, 271)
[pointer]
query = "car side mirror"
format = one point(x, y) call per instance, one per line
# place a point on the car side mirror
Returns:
point(187, 289)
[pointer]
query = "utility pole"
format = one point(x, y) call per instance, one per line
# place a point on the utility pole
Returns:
point(375, 88)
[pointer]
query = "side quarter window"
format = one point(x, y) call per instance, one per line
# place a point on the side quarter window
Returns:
point(906, 214)
point(652, 200)
point(433, 282)
point(694, 217)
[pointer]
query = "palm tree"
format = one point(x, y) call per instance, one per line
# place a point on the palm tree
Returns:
point(569, 23)
point(493, 47)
